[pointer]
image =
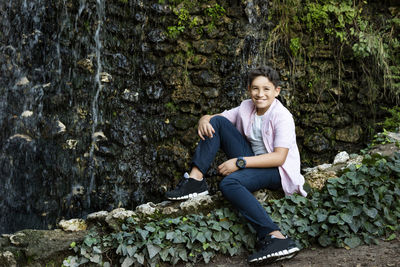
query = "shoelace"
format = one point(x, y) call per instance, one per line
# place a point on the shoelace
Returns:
point(182, 182)
point(264, 242)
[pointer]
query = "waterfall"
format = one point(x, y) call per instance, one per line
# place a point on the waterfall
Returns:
point(91, 113)
point(100, 18)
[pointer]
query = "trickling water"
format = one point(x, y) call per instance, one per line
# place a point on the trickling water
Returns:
point(95, 108)
point(71, 142)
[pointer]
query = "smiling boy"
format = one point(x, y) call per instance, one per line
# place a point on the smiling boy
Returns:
point(259, 139)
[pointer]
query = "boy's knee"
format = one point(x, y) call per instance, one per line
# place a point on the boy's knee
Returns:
point(218, 119)
point(227, 182)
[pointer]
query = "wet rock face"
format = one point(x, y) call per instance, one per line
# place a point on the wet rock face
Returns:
point(98, 100)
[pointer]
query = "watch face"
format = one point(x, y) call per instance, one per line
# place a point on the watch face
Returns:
point(240, 163)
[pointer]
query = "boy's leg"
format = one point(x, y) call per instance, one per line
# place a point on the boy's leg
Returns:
point(226, 137)
point(238, 187)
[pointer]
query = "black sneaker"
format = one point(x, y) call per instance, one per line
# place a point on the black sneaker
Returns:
point(188, 188)
point(272, 249)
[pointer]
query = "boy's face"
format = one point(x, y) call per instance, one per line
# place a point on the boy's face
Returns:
point(263, 93)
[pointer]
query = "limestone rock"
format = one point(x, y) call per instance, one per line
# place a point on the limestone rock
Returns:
point(39, 246)
point(349, 134)
point(324, 166)
point(170, 210)
point(341, 157)
point(86, 64)
point(7, 259)
point(99, 216)
point(120, 214)
point(147, 208)
point(73, 225)
point(195, 203)
point(130, 96)
point(18, 239)
point(21, 136)
point(117, 216)
point(105, 77)
point(385, 150)
point(61, 127)
point(22, 81)
point(26, 113)
point(393, 137)
point(318, 179)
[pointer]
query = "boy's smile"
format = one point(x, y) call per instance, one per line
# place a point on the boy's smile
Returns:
point(263, 93)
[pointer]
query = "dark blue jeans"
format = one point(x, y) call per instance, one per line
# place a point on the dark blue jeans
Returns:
point(238, 186)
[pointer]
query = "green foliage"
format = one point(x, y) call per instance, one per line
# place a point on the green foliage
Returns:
point(190, 239)
point(295, 46)
point(184, 21)
point(342, 26)
point(360, 206)
point(392, 123)
point(214, 12)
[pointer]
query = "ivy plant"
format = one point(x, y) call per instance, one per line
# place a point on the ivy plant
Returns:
point(359, 207)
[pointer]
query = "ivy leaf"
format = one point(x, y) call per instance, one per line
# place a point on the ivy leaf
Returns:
point(356, 211)
point(96, 258)
point(355, 226)
point(131, 250)
point(139, 257)
point(182, 254)
point(143, 233)
point(352, 242)
point(216, 226)
point(321, 217)
point(225, 224)
point(164, 254)
point(150, 228)
point(370, 212)
point(128, 261)
point(89, 241)
point(333, 219)
point(370, 227)
point(346, 217)
point(207, 256)
point(153, 250)
point(208, 235)
point(200, 236)
point(324, 240)
point(391, 237)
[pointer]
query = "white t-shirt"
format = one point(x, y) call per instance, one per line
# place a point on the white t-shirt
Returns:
point(255, 138)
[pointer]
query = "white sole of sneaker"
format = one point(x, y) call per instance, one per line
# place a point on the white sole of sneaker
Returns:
point(189, 196)
point(277, 256)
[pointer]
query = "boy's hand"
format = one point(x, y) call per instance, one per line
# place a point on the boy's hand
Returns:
point(228, 167)
point(205, 128)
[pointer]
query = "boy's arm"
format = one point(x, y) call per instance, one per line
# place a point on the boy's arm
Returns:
point(205, 128)
point(273, 159)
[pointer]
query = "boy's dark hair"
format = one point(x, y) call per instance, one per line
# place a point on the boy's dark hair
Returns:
point(265, 71)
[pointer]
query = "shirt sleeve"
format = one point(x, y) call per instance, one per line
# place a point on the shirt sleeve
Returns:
point(231, 115)
point(284, 132)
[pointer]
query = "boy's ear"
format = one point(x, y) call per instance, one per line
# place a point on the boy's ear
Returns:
point(278, 90)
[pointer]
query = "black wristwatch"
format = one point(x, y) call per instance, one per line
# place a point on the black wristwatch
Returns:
point(241, 163)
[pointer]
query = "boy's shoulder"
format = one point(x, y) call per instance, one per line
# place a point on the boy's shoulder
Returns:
point(280, 110)
point(246, 105)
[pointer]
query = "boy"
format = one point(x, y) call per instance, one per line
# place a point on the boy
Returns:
point(260, 141)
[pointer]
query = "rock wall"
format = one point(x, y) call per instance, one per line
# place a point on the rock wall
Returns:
point(99, 99)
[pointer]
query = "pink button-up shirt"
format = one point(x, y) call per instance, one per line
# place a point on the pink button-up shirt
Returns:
point(278, 130)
